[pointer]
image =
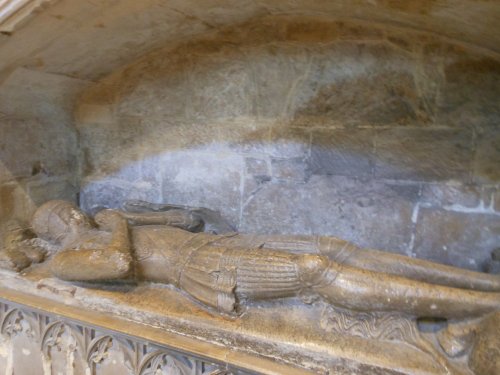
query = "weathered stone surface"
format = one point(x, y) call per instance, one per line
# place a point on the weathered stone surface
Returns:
point(342, 92)
point(7, 200)
point(369, 213)
point(487, 160)
point(42, 190)
point(457, 238)
point(208, 118)
point(347, 152)
point(95, 114)
point(423, 154)
point(286, 142)
point(257, 167)
point(279, 77)
point(452, 195)
point(112, 193)
point(203, 179)
point(37, 95)
point(293, 169)
point(14, 203)
point(496, 200)
point(269, 92)
point(318, 103)
point(235, 100)
point(469, 96)
point(275, 208)
point(246, 136)
point(26, 145)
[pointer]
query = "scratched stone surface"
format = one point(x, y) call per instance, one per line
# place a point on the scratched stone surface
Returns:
point(342, 119)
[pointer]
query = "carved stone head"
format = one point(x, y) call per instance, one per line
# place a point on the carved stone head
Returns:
point(56, 220)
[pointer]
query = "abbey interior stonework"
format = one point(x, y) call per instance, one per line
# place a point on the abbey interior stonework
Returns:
point(249, 187)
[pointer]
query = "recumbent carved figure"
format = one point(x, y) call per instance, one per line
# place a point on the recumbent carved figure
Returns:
point(222, 269)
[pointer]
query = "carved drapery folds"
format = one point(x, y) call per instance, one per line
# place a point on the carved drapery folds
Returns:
point(73, 349)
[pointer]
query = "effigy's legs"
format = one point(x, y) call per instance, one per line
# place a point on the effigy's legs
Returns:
point(365, 290)
point(345, 252)
point(423, 270)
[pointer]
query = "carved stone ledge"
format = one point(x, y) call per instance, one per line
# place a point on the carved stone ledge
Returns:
point(89, 340)
point(146, 327)
point(95, 345)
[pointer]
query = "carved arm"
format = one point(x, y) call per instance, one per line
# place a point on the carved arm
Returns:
point(111, 262)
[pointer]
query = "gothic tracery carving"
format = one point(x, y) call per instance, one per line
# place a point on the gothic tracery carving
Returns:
point(142, 357)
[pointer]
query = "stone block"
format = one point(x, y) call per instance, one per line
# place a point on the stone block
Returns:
point(341, 91)
point(220, 88)
point(256, 167)
point(95, 114)
point(469, 95)
point(110, 148)
point(34, 94)
point(28, 145)
point(289, 169)
point(423, 154)
point(279, 79)
point(452, 195)
point(287, 142)
point(245, 137)
point(347, 152)
point(154, 92)
point(275, 208)
point(487, 159)
point(112, 193)
point(369, 213)
point(460, 239)
point(204, 179)
point(273, 138)
point(41, 190)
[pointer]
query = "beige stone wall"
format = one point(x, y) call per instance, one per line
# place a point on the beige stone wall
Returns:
point(38, 143)
point(289, 124)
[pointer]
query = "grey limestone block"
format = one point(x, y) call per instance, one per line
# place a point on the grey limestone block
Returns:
point(460, 239)
point(452, 194)
point(211, 180)
point(106, 192)
point(293, 169)
point(487, 158)
point(423, 154)
point(347, 152)
point(370, 213)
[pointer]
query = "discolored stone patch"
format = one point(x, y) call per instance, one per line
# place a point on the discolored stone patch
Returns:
point(43, 190)
point(423, 154)
point(347, 152)
point(460, 239)
point(450, 195)
point(293, 169)
point(487, 160)
point(369, 213)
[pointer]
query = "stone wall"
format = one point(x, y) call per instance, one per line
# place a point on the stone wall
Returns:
point(38, 142)
point(385, 137)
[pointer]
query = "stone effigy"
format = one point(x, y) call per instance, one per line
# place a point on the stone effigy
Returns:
point(371, 293)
